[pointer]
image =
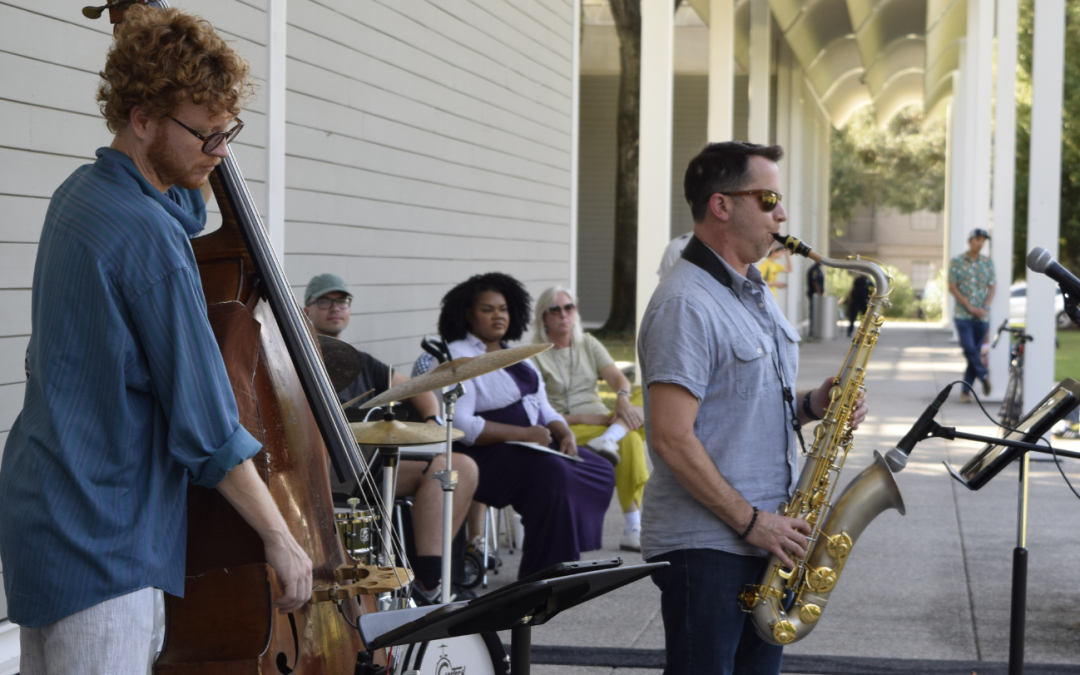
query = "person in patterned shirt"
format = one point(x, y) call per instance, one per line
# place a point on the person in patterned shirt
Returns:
point(972, 282)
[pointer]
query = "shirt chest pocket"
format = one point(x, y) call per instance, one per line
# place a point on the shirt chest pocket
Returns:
point(754, 365)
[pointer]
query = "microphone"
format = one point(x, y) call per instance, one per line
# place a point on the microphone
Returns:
point(897, 457)
point(1040, 260)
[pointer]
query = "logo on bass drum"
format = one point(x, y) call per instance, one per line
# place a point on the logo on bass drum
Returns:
point(444, 667)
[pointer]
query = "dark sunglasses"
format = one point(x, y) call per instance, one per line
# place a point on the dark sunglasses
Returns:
point(213, 141)
point(562, 309)
point(769, 199)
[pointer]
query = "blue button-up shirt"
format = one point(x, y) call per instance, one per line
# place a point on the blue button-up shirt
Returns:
point(127, 399)
point(726, 345)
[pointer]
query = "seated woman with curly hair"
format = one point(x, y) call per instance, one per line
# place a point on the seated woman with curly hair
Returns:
point(561, 502)
point(572, 369)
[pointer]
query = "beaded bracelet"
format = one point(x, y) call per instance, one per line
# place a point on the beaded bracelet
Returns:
point(750, 526)
point(806, 408)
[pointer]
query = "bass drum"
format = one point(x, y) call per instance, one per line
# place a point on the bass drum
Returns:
point(466, 655)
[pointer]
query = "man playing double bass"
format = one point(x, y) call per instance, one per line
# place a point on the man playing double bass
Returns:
point(127, 398)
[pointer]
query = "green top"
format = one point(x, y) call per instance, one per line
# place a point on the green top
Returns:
point(571, 375)
point(973, 278)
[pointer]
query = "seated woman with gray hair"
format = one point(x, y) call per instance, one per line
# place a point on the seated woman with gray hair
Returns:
point(572, 369)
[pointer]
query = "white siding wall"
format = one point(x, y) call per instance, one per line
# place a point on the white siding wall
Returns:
point(426, 141)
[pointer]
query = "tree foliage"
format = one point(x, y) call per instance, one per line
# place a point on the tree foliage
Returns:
point(900, 165)
point(1069, 243)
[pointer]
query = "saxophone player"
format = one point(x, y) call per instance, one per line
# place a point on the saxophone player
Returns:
point(719, 362)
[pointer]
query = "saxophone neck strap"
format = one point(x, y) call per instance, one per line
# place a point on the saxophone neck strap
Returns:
point(703, 256)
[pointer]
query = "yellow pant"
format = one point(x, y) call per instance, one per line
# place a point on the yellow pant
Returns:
point(632, 470)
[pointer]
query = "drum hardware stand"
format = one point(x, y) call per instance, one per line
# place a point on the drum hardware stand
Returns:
point(448, 479)
point(1018, 611)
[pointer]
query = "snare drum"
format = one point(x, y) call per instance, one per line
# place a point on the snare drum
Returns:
point(465, 655)
point(355, 527)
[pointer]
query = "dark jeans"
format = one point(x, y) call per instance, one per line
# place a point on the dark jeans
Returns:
point(972, 332)
point(704, 629)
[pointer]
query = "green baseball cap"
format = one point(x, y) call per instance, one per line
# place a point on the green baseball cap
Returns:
point(322, 284)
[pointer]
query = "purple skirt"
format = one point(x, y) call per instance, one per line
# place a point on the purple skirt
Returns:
point(562, 503)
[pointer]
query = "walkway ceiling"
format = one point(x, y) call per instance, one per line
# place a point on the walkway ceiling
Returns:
point(892, 53)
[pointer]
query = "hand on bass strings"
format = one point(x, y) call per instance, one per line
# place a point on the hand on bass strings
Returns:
point(293, 569)
point(779, 535)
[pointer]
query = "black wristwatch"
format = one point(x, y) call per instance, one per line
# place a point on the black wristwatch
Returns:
point(806, 408)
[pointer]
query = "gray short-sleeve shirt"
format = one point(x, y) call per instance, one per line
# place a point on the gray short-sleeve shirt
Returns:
point(727, 346)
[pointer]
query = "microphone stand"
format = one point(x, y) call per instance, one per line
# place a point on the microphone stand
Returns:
point(1018, 612)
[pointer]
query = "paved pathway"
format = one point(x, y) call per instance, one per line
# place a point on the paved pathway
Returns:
point(932, 585)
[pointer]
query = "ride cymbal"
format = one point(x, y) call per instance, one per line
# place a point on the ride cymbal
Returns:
point(395, 434)
point(458, 370)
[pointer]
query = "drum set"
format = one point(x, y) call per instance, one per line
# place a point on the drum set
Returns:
point(358, 525)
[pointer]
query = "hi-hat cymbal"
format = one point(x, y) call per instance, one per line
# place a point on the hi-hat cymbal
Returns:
point(343, 361)
point(392, 433)
point(456, 371)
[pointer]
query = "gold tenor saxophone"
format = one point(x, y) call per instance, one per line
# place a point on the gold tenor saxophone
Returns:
point(787, 603)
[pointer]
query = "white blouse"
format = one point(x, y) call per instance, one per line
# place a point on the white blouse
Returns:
point(491, 392)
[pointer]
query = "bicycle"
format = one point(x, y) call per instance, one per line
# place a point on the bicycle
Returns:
point(1012, 408)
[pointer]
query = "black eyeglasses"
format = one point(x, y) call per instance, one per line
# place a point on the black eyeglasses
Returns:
point(211, 142)
point(562, 309)
point(327, 303)
point(769, 199)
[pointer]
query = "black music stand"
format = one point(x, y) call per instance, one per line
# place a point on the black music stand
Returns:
point(990, 461)
point(517, 608)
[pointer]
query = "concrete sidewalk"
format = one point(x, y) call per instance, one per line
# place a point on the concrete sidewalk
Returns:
point(934, 585)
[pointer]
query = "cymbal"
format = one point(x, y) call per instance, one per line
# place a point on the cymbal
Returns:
point(392, 433)
point(343, 362)
point(458, 370)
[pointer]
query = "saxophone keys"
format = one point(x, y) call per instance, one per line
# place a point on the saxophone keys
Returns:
point(783, 631)
point(810, 613)
point(822, 579)
point(839, 546)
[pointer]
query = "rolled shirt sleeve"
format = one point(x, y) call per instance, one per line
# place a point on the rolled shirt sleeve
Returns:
point(189, 379)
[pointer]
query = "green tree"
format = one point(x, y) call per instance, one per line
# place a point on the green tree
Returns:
point(1069, 243)
point(900, 165)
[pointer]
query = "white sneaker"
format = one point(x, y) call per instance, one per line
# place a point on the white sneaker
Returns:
point(631, 541)
point(606, 448)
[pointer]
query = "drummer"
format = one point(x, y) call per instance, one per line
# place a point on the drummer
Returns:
point(328, 305)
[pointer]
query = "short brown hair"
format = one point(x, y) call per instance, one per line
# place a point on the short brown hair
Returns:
point(721, 167)
point(163, 57)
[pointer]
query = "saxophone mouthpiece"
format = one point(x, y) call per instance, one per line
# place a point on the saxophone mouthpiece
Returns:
point(796, 246)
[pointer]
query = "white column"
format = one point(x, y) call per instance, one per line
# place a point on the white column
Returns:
point(784, 66)
point(654, 154)
point(275, 126)
point(575, 131)
point(721, 70)
point(955, 219)
point(760, 51)
point(1004, 183)
point(1044, 190)
point(793, 199)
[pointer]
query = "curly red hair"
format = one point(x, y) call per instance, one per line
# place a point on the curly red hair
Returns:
point(163, 57)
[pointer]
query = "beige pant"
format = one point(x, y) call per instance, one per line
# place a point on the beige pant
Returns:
point(115, 637)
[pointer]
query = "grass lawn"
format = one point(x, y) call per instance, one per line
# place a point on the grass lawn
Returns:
point(1068, 355)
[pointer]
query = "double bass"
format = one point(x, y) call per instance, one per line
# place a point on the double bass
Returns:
point(226, 622)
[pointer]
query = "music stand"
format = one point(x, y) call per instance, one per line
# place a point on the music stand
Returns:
point(517, 608)
point(989, 462)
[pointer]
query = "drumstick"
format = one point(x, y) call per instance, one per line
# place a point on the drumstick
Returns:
point(351, 401)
